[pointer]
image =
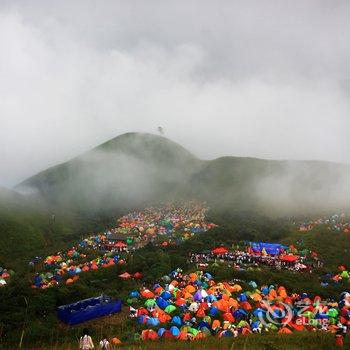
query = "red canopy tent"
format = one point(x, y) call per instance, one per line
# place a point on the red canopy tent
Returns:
point(219, 250)
point(120, 245)
point(289, 258)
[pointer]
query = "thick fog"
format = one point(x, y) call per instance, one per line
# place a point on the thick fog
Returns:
point(267, 79)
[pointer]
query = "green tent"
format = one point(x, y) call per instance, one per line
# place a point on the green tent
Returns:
point(332, 313)
point(345, 274)
point(193, 331)
point(242, 323)
point(169, 309)
point(150, 302)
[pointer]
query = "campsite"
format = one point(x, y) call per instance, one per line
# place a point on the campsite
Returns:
point(174, 175)
point(128, 265)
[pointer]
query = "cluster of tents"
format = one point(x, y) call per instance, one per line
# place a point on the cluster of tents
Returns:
point(5, 276)
point(179, 221)
point(336, 223)
point(256, 254)
point(194, 306)
point(261, 250)
point(186, 219)
point(64, 268)
point(103, 242)
point(127, 276)
point(343, 274)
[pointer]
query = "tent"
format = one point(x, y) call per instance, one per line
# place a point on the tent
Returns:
point(125, 275)
point(88, 309)
point(219, 250)
point(120, 245)
point(289, 258)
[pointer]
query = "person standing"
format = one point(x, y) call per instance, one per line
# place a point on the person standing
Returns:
point(104, 343)
point(86, 342)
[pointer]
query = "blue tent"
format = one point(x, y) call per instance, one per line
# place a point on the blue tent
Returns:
point(166, 295)
point(240, 313)
point(176, 321)
point(162, 303)
point(259, 312)
point(213, 311)
point(153, 321)
point(88, 309)
point(135, 294)
point(161, 332)
point(174, 331)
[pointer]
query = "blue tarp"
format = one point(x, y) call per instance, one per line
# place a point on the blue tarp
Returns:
point(270, 248)
point(88, 309)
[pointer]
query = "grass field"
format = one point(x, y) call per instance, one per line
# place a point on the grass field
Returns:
point(304, 341)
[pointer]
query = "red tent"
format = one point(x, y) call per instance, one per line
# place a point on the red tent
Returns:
point(290, 258)
point(219, 250)
point(120, 245)
point(137, 275)
point(341, 267)
point(125, 275)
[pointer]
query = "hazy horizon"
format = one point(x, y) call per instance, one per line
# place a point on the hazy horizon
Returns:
point(259, 79)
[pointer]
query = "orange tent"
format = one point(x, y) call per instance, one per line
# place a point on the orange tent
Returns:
point(182, 336)
point(228, 317)
point(285, 330)
point(200, 313)
point(180, 302)
point(149, 334)
point(216, 324)
point(246, 306)
point(246, 331)
point(116, 341)
point(190, 289)
point(146, 293)
point(233, 303)
point(297, 327)
point(193, 277)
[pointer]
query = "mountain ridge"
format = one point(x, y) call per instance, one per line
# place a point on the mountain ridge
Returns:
point(136, 169)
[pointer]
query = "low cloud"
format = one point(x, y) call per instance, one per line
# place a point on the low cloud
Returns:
point(257, 79)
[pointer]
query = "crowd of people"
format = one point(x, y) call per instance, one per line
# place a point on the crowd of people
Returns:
point(194, 306)
point(249, 258)
point(337, 223)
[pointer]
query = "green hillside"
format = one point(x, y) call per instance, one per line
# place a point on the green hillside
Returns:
point(129, 170)
point(26, 229)
point(137, 169)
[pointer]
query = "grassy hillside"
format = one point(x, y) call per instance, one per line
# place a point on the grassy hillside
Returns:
point(274, 187)
point(129, 170)
point(138, 169)
point(26, 229)
point(305, 341)
point(35, 310)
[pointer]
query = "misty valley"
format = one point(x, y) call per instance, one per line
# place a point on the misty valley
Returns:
point(138, 241)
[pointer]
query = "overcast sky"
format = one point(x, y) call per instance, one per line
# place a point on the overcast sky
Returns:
point(269, 79)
